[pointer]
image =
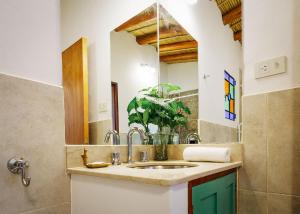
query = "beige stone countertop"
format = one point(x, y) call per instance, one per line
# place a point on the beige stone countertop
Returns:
point(164, 177)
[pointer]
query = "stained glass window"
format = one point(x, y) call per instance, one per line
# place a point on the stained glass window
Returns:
point(229, 86)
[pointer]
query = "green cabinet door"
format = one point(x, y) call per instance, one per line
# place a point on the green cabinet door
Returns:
point(215, 197)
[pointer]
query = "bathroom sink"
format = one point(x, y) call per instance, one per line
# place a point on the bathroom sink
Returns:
point(162, 165)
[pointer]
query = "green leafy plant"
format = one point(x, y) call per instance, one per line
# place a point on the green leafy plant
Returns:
point(153, 105)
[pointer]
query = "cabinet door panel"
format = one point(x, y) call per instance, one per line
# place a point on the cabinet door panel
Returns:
point(229, 194)
point(206, 198)
point(216, 196)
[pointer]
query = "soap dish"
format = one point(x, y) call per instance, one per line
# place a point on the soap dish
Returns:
point(97, 165)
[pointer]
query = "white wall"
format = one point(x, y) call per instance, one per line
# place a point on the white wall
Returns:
point(271, 29)
point(95, 19)
point(217, 52)
point(184, 75)
point(126, 59)
point(30, 40)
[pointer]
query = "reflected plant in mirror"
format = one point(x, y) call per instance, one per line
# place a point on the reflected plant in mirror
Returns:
point(153, 106)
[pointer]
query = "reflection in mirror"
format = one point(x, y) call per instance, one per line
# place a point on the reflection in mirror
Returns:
point(134, 65)
point(209, 83)
point(193, 69)
point(178, 52)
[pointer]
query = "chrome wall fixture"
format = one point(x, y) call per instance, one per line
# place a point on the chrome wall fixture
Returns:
point(18, 166)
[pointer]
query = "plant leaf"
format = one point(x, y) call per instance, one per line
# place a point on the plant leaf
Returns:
point(132, 105)
point(146, 116)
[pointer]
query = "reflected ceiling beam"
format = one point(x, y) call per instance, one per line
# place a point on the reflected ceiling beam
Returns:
point(232, 15)
point(163, 33)
point(181, 61)
point(179, 51)
point(238, 36)
point(143, 17)
point(178, 46)
point(237, 25)
point(178, 57)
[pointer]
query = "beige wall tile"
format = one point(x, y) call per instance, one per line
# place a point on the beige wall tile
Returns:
point(253, 175)
point(251, 202)
point(32, 126)
point(59, 209)
point(97, 131)
point(175, 152)
point(192, 127)
point(283, 129)
point(283, 204)
point(103, 153)
point(211, 132)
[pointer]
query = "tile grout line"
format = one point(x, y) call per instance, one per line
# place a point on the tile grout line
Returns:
point(267, 150)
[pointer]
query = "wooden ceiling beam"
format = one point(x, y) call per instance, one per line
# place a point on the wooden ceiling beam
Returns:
point(181, 61)
point(185, 56)
point(178, 46)
point(142, 17)
point(179, 51)
point(163, 33)
point(238, 36)
point(233, 14)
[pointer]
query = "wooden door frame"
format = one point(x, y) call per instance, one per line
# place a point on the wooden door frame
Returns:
point(115, 105)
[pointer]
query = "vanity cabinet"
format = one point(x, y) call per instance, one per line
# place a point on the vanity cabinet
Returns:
point(214, 194)
point(119, 189)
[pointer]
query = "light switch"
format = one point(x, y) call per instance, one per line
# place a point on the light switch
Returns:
point(270, 67)
point(102, 107)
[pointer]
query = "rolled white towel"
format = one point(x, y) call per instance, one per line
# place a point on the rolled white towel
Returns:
point(211, 154)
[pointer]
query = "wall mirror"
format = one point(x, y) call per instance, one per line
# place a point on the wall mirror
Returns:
point(134, 67)
point(182, 54)
point(178, 55)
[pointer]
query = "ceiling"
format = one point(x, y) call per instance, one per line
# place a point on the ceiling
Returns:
point(232, 15)
point(176, 44)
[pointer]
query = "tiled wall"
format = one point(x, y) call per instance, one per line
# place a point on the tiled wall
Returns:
point(32, 126)
point(103, 153)
point(97, 131)
point(212, 132)
point(270, 179)
point(191, 100)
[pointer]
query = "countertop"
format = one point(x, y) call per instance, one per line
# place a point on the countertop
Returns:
point(164, 177)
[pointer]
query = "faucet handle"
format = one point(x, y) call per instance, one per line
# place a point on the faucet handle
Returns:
point(116, 158)
point(144, 156)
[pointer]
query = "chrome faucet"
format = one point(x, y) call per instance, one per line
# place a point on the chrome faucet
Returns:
point(129, 141)
point(192, 136)
point(116, 137)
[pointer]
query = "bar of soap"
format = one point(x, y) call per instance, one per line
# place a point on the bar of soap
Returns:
point(97, 165)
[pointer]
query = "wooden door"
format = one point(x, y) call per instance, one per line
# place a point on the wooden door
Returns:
point(75, 84)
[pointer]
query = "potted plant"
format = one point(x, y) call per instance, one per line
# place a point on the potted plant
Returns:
point(153, 105)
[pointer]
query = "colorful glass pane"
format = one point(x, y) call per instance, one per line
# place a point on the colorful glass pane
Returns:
point(229, 98)
point(227, 104)
point(227, 87)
